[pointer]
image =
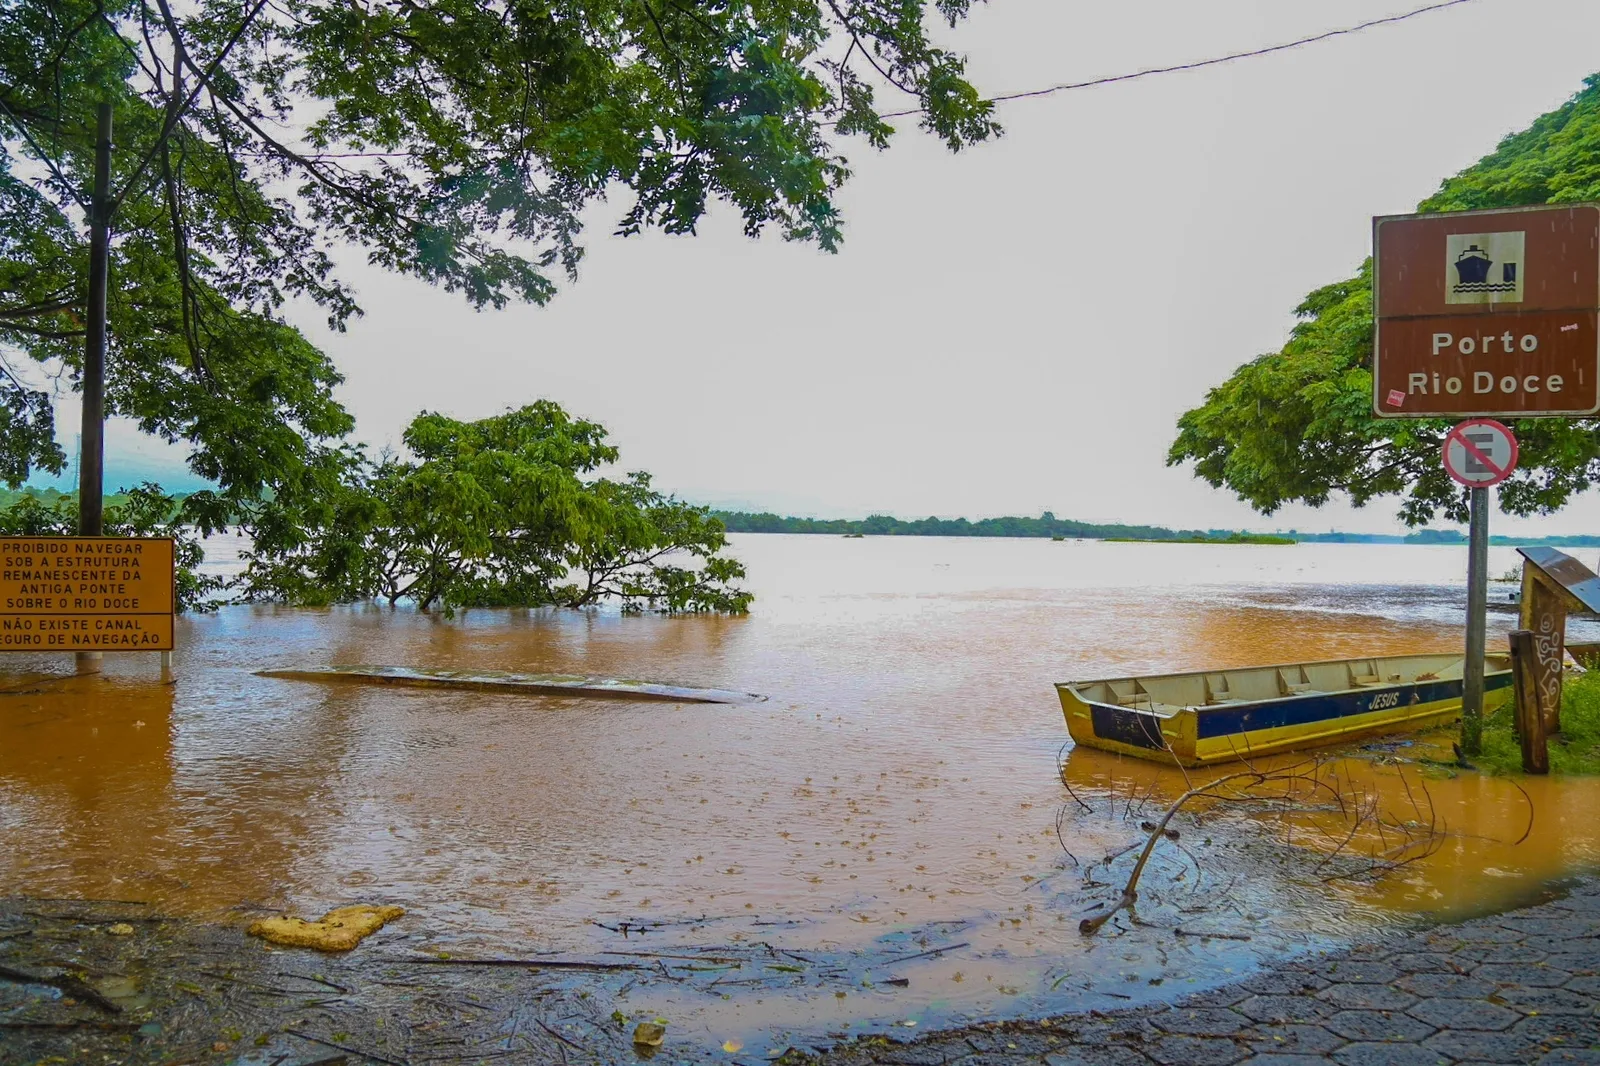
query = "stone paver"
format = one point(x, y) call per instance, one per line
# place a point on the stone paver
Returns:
point(1447, 985)
point(1286, 1009)
point(1477, 1047)
point(1209, 1021)
point(1195, 1051)
point(1091, 1055)
point(1383, 1054)
point(1292, 1039)
point(1521, 988)
point(1473, 1015)
point(1358, 1025)
point(1538, 975)
point(1366, 997)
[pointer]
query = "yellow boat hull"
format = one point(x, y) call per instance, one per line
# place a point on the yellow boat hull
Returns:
point(1210, 717)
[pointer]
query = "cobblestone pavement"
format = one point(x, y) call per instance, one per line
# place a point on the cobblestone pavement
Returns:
point(1522, 987)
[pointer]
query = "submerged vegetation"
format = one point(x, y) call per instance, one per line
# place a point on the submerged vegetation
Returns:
point(1575, 750)
point(500, 512)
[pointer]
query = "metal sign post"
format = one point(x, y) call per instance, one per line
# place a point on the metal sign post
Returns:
point(1485, 313)
point(1477, 453)
point(1477, 624)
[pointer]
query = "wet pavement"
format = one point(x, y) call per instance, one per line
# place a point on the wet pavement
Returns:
point(78, 987)
point(1520, 988)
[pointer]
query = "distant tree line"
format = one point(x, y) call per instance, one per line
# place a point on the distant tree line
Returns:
point(1048, 525)
point(878, 525)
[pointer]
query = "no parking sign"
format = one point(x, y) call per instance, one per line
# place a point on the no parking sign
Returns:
point(1480, 452)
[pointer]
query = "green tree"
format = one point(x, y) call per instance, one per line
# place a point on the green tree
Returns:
point(1297, 424)
point(494, 513)
point(456, 141)
point(144, 511)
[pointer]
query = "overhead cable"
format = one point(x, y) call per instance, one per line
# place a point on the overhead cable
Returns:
point(1152, 71)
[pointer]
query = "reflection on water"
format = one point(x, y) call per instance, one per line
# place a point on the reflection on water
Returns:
point(902, 771)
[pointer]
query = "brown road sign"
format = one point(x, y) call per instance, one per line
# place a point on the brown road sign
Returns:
point(86, 594)
point(1487, 313)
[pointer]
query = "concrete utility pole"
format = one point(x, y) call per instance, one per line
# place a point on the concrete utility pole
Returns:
point(91, 464)
point(92, 450)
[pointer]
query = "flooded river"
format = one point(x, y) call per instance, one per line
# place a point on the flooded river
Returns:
point(897, 787)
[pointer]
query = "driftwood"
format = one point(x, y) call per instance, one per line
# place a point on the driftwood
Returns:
point(924, 954)
point(347, 1050)
point(1298, 788)
point(550, 964)
point(67, 984)
point(115, 1027)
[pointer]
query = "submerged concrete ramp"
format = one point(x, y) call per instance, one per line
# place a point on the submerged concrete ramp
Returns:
point(529, 684)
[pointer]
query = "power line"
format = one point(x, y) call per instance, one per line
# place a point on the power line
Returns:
point(1151, 71)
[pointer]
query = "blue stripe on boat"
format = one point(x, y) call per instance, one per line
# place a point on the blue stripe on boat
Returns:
point(1305, 710)
point(1142, 729)
point(1138, 728)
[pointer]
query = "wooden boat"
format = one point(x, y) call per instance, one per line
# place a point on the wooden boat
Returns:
point(1220, 715)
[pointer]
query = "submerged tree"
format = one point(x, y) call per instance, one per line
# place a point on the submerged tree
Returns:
point(1297, 424)
point(497, 512)
point(456, 141)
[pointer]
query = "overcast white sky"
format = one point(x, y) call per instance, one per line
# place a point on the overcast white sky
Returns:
point(1016, 328)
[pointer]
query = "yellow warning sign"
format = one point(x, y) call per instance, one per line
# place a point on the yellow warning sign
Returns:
point(86, 594)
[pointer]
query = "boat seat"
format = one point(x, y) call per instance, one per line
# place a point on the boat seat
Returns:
point(1367, 679)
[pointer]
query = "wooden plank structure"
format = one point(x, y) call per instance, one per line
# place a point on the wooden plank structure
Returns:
point(1553, 584)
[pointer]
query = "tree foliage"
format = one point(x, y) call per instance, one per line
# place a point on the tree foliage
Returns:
point(144, 511)
point(456, 141)
point(494, 513)
point(1297, 424)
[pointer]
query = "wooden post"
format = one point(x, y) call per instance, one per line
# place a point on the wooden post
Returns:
point(1529, 715)
point(1544, 615)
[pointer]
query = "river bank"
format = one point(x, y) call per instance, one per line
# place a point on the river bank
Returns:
point(115, 984)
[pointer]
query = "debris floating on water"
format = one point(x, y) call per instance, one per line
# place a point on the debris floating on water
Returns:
point(649, 1034)
point(339, 930)
point(532, 684)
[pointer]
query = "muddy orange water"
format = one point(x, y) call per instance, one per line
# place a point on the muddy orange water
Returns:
point(902, 770)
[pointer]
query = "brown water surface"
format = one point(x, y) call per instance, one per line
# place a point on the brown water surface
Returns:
point(902, 770)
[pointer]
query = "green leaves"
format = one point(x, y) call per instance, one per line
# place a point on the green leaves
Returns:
point(145, 511)
point(1296, 425)
point(456, 141)
point(493, 513)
